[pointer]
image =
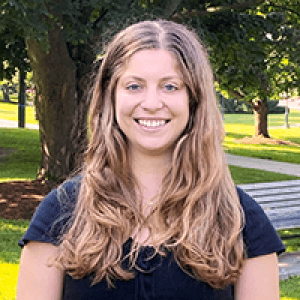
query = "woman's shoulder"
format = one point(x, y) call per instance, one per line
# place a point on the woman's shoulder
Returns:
point(53, 213)
point(67, 192)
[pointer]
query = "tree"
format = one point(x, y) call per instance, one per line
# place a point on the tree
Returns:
point(14, 57)
point(64, 37)
point(248, 49)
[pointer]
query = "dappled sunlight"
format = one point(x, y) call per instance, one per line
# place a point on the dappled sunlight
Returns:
point(10, 232)
point(9, 111)
point(279, 152)
point(8, 280)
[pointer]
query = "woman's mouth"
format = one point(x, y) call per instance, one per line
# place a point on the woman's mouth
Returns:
point(151, 123)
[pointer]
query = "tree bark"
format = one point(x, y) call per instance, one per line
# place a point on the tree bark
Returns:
point(260, 108)
point(61, 106)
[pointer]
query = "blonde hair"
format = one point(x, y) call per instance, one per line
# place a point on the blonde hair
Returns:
point(198, 215)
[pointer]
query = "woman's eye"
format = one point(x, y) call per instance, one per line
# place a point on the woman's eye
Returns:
point(171, 87)
point(133, 87)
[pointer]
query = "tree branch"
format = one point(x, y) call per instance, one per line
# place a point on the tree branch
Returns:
point(285, 8)
point(172, 8)
point(100, 18)
point(105, 11)
point(218, 9)
point(238, 95)
point(235, 94)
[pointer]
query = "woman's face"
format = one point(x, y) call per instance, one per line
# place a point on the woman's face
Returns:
point(152, 102)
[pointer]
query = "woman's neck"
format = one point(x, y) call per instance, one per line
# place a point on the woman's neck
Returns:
point(149, 170)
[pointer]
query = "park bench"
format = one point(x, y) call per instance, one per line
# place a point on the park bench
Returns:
point(280, 200)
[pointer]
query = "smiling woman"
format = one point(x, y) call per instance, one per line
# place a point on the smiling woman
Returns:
point(154, 213)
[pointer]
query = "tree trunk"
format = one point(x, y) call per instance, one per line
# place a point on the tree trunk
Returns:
point(260, 108)
point(61, 107)
point(5, 90)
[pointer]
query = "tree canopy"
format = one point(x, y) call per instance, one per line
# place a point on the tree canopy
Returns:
point(253, 45)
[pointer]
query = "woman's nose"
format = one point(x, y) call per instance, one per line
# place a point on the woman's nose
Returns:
point(152, 100)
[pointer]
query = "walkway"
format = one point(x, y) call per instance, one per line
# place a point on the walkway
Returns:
point(14, 124)
point(264, 164)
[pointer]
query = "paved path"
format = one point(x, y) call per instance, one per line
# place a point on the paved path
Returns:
point(14, 124)
point(289, 263)
point(264, 164)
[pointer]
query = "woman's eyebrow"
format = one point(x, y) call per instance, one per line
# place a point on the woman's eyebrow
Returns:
point(138, 78)
point(129, 76)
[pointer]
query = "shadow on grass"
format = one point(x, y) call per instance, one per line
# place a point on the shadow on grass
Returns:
point(272, 152)
point(235, 135)
point(242, 175)
point(10, 232)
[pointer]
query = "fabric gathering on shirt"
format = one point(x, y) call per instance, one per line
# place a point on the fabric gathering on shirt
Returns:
point(158, 277)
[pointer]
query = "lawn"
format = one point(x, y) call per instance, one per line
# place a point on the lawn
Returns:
point(23, 163)
point(9, 111)
point(25, 157)
point(10, 233)
point(242, 125)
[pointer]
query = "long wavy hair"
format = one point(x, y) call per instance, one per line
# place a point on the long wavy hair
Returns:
point(198, 214)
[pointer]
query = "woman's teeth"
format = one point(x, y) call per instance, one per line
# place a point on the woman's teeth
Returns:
point(152, 123)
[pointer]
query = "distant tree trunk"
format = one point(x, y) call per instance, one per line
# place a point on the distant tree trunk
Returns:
point(260, 108)
point(21, 98)
point(5, 90)
point(60, 104)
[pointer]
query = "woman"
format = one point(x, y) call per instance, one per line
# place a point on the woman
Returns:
point(154, 213)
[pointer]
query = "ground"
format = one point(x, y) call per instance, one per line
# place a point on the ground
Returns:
point(19, 199)
point(262, 140)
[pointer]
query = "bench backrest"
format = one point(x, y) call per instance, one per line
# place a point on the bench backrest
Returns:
point(280, 200)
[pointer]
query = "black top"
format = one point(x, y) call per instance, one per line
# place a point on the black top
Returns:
point(161, 278)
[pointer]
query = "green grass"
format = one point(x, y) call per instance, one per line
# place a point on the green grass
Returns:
point(242, 175)
point(279, 119)
point(9, 111)
point(242, 125)
point(292, 244)
point(276, 120)
point(23, 163)
point(290, 289)
point(10, 232)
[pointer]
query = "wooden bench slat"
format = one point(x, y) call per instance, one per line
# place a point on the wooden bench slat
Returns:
point(254, 186)
point(274, 205)
point(276, 198)
point(280, 201)
point(280, 191)
point(286, 212)
point(285, 224)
